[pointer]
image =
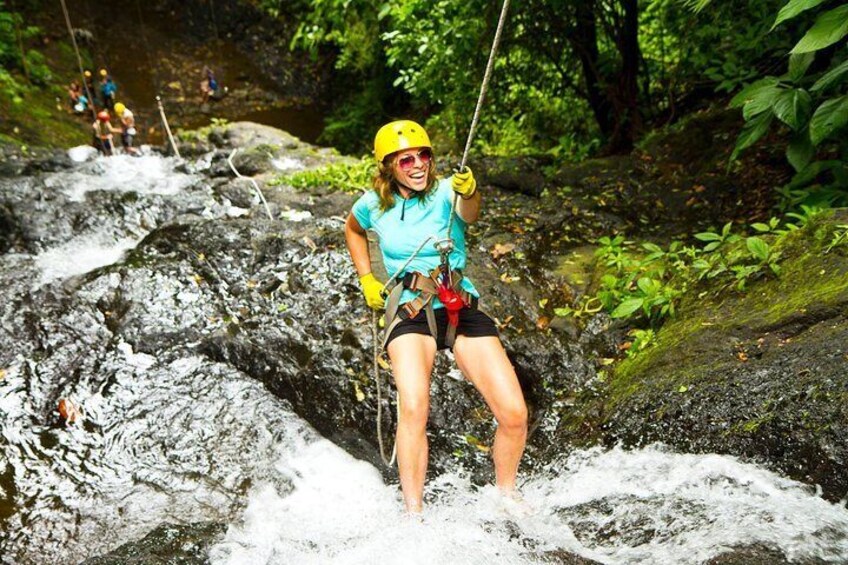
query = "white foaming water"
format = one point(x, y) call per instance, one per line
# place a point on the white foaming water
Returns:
point(82, 153)
point(81, 255)
point(645, 506)
point(147, 174)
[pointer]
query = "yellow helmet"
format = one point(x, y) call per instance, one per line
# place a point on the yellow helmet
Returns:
point(87, 74)
point(398, 135)
point(119, 108)
point(103, 72)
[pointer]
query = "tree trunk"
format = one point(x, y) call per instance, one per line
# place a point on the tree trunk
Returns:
point(628, 120)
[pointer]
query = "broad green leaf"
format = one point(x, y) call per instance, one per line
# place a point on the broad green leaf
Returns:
point(712, 246)
point(761, 227)
point(647, 285)
point(758, 248)
point(829, 28)
point(764, 99)
point(627, 308)
point(793, 8)
point(753, 131)
point(798, 65)
point(792, 107)
point(708, 236)
point(800, 150)
point(752, 90)
point(811, 171)
point(829, 117)
point(831, 77)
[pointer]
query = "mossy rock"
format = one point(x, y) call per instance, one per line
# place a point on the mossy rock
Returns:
point(761, 374)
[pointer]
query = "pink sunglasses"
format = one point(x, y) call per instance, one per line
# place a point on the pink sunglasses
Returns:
point(408, 161)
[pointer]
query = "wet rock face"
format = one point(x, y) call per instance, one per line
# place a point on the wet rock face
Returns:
point(169, 543)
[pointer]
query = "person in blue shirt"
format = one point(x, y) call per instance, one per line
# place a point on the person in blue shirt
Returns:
point(431, 306)
point(108, 88)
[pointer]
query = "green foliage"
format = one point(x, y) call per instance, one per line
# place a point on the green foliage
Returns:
point(343, 177)
point(812, 109)
point(839, 238)
point(644, 283)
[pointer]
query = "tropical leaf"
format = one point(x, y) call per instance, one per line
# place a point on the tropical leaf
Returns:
point(829, 117)
point(627, 307)
point(800, 150)
point(793, 8)
point(831, 77)
point(752, 91)
point(752, 132)
point(758, 248)
point(798, 65)
point(792, 107)
point(829, 28)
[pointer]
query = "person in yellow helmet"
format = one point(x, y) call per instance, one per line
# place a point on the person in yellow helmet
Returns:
point(128, 130)
point(432, 305)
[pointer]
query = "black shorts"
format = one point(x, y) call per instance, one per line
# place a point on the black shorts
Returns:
point(472, 323)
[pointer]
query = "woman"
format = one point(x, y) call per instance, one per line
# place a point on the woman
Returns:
point(128, 130)
point(408, 205)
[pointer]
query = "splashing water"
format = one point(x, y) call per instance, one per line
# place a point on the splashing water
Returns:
point(147, 174)
point(81, 255)
point(646, 506)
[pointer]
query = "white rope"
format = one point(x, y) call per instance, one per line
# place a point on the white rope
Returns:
point(91, 101)
point(483, 88)
point(387, 461)
point(167, 127)
point(255, 184)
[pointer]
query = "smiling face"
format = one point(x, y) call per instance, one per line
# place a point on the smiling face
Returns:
point(412, 167)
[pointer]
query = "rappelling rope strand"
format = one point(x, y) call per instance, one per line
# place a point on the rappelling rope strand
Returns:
point(387, 461)
point(483, 88)
point(91, 100)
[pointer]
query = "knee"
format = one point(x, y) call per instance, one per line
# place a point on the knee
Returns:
point(513, 418)
point(414, 412)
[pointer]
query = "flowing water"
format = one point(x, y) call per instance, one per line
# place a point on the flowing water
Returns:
point(172, 436)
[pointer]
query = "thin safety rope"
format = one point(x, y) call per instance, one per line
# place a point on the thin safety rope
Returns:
point(91, 100)
point(387, 461)
point(483, 88)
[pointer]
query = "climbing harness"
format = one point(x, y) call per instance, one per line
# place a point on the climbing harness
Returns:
point(442, 282)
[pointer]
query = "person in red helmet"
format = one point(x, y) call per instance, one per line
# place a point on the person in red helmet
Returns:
point(103, 132)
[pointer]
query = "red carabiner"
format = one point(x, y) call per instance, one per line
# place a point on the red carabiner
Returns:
point(453, 302)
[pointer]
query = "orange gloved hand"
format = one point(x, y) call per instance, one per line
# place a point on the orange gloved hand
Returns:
point(373, 291)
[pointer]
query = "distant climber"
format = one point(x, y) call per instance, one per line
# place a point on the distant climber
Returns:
point(103, 133)
point(209, 87)
point(75, 95)
point(108, 88)
point(128, 130)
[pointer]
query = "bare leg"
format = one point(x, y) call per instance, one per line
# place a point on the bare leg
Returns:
point(484, 362)
point(412, 358)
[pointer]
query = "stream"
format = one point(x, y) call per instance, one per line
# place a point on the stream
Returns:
point(171, 435)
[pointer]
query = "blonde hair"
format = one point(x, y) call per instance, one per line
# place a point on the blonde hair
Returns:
point(386, 185)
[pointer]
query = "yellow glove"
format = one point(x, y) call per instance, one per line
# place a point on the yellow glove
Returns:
point(372, 289)
point(463, 182)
